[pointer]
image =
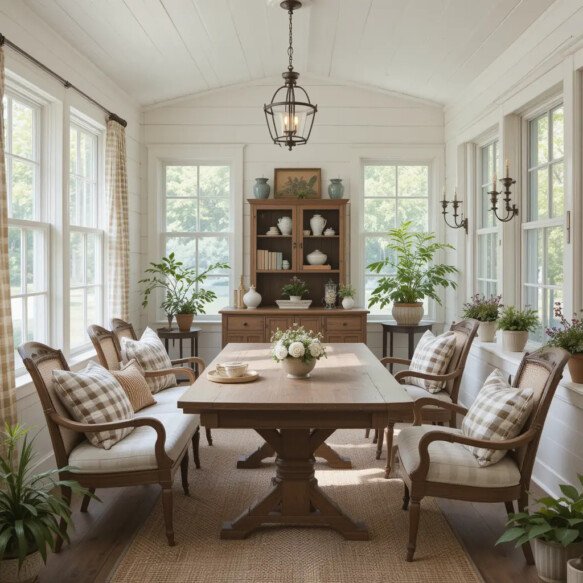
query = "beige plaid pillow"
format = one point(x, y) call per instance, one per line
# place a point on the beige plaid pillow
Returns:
point(151, 355)
point(498, 413)
point(93, 395)
point(432, 356)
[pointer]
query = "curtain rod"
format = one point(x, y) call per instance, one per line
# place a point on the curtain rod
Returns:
point(62, 80)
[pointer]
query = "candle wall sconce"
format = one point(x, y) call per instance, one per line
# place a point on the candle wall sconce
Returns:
point(459, 221)
point(511, 210)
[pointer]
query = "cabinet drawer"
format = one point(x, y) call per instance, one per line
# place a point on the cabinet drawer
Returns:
point(245, 323)
point(341, 324)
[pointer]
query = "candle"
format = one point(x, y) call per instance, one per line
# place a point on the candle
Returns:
point(507, 168)
point(455, 195)
point(494, 179)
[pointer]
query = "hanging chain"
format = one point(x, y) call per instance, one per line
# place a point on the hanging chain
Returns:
point(290, 50)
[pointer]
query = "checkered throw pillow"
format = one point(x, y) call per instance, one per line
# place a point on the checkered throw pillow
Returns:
point(93, 395)
point(432, 356)
point(498, 413)
point(151, 355)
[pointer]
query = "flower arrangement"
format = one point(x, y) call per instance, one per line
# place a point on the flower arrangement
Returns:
point(570, 336)
point(297, 342)
point(482, 308)
point(295, 288)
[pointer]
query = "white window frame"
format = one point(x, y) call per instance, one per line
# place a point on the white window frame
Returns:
point(526, 225)
point(188, 155)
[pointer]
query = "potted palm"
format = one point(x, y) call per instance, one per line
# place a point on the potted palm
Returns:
point(556, 529)
point(515, 325)
point(183, 296)
point(347, 293)
point(30, 508)
point(486, 311)
point(570, 337)
point(410, 274)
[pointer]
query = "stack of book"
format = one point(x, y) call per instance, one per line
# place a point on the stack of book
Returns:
point(269, 260)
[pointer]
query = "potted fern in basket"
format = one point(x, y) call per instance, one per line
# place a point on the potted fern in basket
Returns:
point(30, 508)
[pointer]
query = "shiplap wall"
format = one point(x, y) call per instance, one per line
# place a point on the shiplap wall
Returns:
point(349, 120)
point(23, 27)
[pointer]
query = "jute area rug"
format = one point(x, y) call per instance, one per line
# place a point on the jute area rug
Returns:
point(220, 492)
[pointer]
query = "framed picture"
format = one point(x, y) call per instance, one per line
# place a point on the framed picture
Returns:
point(298, 183)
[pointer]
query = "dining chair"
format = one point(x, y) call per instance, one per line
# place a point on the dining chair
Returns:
point(122, 329)
point(434, 461)
point(465, 331)
point(142, 457)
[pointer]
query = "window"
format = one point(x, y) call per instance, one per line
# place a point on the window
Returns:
point(28, 227)
point(393, 194)
point(543, 239)
point(199, 221)
point(86, 240)
point(487, 232)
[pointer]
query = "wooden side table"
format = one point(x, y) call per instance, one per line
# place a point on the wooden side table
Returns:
point(391, 328)
point(175, 334)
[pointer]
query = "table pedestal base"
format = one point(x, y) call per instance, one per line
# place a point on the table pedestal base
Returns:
point(295, 499)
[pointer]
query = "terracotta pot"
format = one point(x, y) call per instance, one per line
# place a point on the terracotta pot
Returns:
point(487, 331)
point(28, 573)
point(298, 369)
point(575, 571)
point(513, 341)
point(576, 368)
point(408, 314)
point(184, 321)
point(551, 559)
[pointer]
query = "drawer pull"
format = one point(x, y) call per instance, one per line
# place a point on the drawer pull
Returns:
point(344, 323)
point(244, 323)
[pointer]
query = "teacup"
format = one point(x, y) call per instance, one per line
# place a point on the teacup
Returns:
point(232, 369)
point(307, 233)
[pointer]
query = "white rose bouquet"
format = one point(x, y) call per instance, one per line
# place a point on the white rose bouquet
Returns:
point(297, 342)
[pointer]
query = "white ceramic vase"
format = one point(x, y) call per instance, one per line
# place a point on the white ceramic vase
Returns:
point(487, 331)
point(551, 559)
point(575, 571)
point(298, 369)
point(28, 573)
point(317, 222)
point(316, 257)
point(408, 314)
point(284, 224)
point(513, 341)
point(348, 303)
point(252, 298)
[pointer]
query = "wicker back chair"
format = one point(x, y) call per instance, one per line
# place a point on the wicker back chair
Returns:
point(505, 481)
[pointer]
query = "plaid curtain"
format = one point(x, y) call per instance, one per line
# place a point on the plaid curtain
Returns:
point(7, 383)
point(117, 199)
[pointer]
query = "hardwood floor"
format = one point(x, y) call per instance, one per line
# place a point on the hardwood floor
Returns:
point(102, 534)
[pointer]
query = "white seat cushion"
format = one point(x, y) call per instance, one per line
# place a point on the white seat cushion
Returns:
point(136, 451)
point(165, 402)
point(452, 463)
point(419, 393)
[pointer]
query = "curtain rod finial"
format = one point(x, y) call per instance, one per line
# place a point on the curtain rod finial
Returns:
point(119, 120)
point(2, 39)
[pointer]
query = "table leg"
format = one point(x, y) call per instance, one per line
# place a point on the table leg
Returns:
point(196, 345)
point(384, 343)
point(391, 352)
point(411, 343)
point(166, 345)
point(295, 498)
point(255, 459)
point(334, 459)
point(180, 347)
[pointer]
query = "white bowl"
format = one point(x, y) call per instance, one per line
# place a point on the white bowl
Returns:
point(232, 369)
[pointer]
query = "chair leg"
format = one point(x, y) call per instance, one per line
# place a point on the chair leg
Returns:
point(167, 505)
point(526, 549)
point(380, 440)
point(405, 497)
point(414, 512)
point(209, 437)
point(195, 444)
point(86, 500)
point(367, 433)
point(509, 507)
point(66, 494)
point(375, 437)
point(184, 474)
point(390, 452)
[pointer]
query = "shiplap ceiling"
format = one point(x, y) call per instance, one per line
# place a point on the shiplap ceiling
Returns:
point(161, 49)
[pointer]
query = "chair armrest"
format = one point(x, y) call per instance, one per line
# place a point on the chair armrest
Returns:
point(433, 402)
point(402, 374)
point(200, 364)
point(174, 370)
point(393, 360)
point(161, 458)
point(420, 473)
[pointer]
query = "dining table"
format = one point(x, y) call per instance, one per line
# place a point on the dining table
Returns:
point(349, 389)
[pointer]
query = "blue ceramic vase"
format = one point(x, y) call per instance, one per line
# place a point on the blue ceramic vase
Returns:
point(336, 188)
point(261, 189)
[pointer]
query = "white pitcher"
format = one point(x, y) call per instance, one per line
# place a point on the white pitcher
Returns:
point(317, 222)
point(285, 225)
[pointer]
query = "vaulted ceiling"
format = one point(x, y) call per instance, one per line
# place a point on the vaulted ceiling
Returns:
point(160, 49)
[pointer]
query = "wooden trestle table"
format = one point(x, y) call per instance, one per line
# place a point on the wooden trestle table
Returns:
point(348, 390)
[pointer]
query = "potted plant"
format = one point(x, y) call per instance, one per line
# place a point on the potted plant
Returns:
point(31, 508)
point(298, 350)
point(347, 293)
point(575, 570)
point(295, 289)
point(556, 527)
point(182, 295)
point(412, 274)
point(486, 311)
point(515, 325)
point(569, 337)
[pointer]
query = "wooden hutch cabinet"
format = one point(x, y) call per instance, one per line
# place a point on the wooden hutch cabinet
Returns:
point(337, 324)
